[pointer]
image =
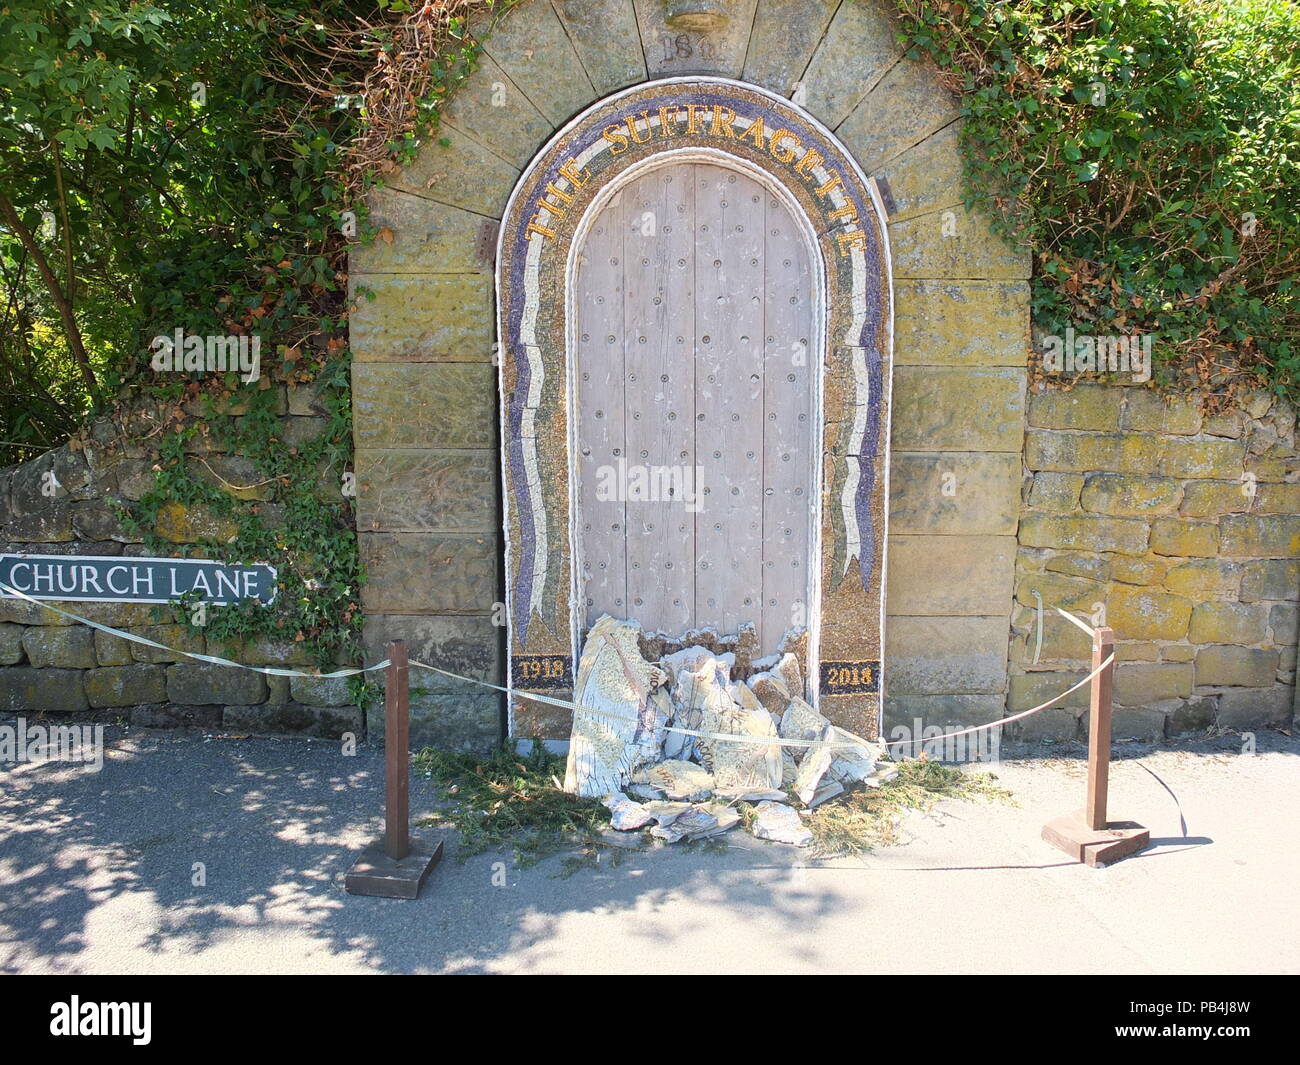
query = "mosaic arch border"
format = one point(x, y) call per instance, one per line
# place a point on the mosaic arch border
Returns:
point(738, 124)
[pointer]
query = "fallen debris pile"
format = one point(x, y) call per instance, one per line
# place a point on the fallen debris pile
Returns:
point(654, 739)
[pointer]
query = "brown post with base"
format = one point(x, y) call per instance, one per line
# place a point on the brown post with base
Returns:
point(394, 867)
point(1086, 835)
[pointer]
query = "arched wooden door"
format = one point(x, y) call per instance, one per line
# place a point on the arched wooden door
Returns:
point(693, 324)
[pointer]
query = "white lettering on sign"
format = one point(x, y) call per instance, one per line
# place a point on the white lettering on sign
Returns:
point(112, 579)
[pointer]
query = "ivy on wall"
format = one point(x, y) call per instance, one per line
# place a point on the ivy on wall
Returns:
point(168, 167)
point(1149, 152)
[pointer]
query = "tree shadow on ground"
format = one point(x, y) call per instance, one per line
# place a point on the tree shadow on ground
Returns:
point(102, 866)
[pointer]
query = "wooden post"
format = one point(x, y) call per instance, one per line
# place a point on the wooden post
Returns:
point(397, 742)
point(1088, 836)
point(395, 867)
point(1103, 646)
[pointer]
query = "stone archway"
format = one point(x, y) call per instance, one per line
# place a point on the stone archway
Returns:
point(734, 129)
point(424, 380)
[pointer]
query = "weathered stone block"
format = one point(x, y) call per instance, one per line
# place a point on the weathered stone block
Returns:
point(28, 482)
point(169, 715)
point(99, 519)
point(419, 573)
point(422, 318)
point(1282, 625)
point(72, 647)
point(1256, 536)
point(1137, 651)
point(1269, 579)
point(182, 524)
point(960, 323)
point(903, 712)
point(456, 169)
point(1062, 641)
point(24, 689)
point(1201, 577)
point(1131, 495)
point(1258, 708)
point(1090, 566)
point(321, 691)
point(1056, 722)
point(954, 492)
point(941, 575)
point(454, 719)
point(1141, 614)
point(237, 476)
point(1188, 539)
point(958, 409)
point(1151, 412)
point(1082, 407)
point(1277, 499)
point(48, 526)
point(1195, 715)
point(1177, 652)
point(1209, 499)
point(925, 177)
point(604, 34)
point(467, 645)
point(174, 637)
point(901, 109)
point(1242, 623)
point(427, 490)
point(1244, 667)
point(1142, 683)
point(530, 45)
point(126, 685)
point(1219, 459)
point(202, 683)
point(859, 46)
point(424, 405)
point(1088, 452)
point(262, 651)
point(931, 656)
point(1084, 532)
point(327, 722)
point(11, 644)
point(1130, 570)
point(490, 108)
point(1134, 724)
point(417, 235)
point(1056, 492)
point(953, 243)
point(1058, 590)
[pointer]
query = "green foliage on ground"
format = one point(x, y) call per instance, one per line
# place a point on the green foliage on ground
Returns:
point(1149, 153)
point(862, 818)
point(508, 800)
point(511, 800)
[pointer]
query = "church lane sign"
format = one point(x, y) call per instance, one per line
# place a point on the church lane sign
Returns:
point(117, 579)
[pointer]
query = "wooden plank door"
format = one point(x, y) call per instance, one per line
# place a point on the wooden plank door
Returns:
point(695, 452)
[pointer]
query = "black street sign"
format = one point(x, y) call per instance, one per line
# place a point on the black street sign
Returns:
point(118, 579)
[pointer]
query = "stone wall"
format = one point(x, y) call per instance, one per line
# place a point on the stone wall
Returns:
point(425, 387)
point(1182, 533)
point(67, 502)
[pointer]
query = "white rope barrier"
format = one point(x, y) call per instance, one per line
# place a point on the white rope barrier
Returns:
point(272, 671)
point(276, 671)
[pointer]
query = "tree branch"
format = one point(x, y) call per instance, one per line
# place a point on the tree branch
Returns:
point(70, 330)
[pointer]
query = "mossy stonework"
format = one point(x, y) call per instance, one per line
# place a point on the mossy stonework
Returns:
point(986, 496)
point(957, 296)
point(979, 514)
